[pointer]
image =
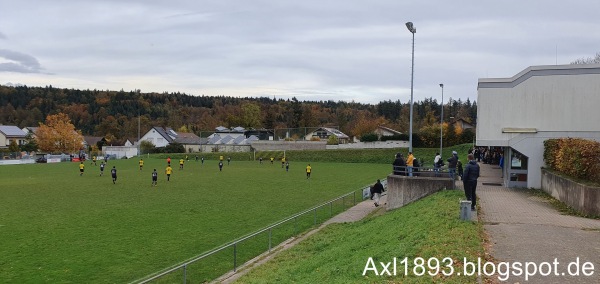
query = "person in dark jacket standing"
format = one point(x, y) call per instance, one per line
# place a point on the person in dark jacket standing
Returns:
point(470, 180)
point(377, 191)
point(452, 162)
point(399, 165)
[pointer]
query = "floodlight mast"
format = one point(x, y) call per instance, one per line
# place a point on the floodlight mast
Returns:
point(411, 28)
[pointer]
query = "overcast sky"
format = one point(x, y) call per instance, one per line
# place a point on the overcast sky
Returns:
point(313, 50)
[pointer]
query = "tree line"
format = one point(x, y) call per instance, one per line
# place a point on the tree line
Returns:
point(115, 113)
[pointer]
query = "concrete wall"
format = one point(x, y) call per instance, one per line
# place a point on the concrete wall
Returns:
point(371, 145)
point(288, 145)
point(547, 98)
point(402, 190)
point(585, 199)
point(225, 148)
point(120, 151)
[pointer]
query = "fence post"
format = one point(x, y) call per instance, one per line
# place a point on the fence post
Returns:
point(184, 274)
point(234, 257)
point(271, 229)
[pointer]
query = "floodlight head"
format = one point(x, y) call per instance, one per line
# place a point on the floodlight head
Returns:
point(411, 27)
point(442, 85)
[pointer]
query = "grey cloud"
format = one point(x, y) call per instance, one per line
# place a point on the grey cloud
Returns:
point(22, 63)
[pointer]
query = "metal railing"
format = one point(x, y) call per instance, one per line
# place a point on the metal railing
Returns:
point(269, 229)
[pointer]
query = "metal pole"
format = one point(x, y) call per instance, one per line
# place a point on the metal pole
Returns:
point(412, 76)
point(184, 274)
point(234, 257)
point(442, 122)
point(270, 239)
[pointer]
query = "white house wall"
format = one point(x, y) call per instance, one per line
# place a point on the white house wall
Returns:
point(557, 101)
point(155, 137)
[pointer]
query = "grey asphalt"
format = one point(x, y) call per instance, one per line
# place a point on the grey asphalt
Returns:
point(523, 227)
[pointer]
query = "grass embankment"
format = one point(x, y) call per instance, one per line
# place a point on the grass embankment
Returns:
point(59, 227)
point(372, 156)
point(428, 228)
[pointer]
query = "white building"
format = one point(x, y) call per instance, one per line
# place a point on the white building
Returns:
point(159, 136)
point(323, 133)
point(539, 103)
point(9, 133)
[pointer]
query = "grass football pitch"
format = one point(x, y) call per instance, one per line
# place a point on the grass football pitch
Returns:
point(57, 226)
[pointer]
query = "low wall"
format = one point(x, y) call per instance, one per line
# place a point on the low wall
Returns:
point(583, 198)
point(402, 190)
point(288, 145)
point(224, 148)
point(371, 145)
point(17, 162)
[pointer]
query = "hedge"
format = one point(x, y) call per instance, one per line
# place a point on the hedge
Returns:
point(575, 157)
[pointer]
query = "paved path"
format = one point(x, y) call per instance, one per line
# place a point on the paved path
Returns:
point(523, 227)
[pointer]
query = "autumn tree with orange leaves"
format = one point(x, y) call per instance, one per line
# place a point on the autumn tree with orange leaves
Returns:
point(58, 135)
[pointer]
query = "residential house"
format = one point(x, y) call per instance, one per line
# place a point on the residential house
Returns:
point(323, 133)
point(386, 131)
point(9, 133)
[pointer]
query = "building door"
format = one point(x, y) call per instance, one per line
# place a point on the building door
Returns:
point(516, 166)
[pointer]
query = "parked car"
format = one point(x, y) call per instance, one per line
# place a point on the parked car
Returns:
point(41, 160)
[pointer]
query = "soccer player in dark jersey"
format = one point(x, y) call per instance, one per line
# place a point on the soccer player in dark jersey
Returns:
point(113, 173)
point(154, 178)
point(102, 164)
point(220, 166)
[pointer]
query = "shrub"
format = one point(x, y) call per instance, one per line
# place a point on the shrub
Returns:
point(575, 157)
point(332, 140)
point(369, 137)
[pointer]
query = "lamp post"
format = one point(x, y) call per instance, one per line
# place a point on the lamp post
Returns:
point(411, 28)
point(442, 122)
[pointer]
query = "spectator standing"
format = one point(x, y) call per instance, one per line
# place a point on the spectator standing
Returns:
point(409, 163)
point(399, 165)
point(452, 162)
point(437, 163)
point(470, 177)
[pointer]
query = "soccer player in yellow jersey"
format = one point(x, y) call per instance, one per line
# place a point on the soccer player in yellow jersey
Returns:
point(169, 171)
point(282, 162)
point(141, 164)
point(181, 164)
point(272, 160)
point(81, 167)
point(308, 171)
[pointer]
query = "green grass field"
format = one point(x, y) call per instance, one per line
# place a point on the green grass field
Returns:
point(59, 227)
point(428, 228)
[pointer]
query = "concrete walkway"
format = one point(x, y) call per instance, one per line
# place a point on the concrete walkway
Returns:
point(523, 227)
